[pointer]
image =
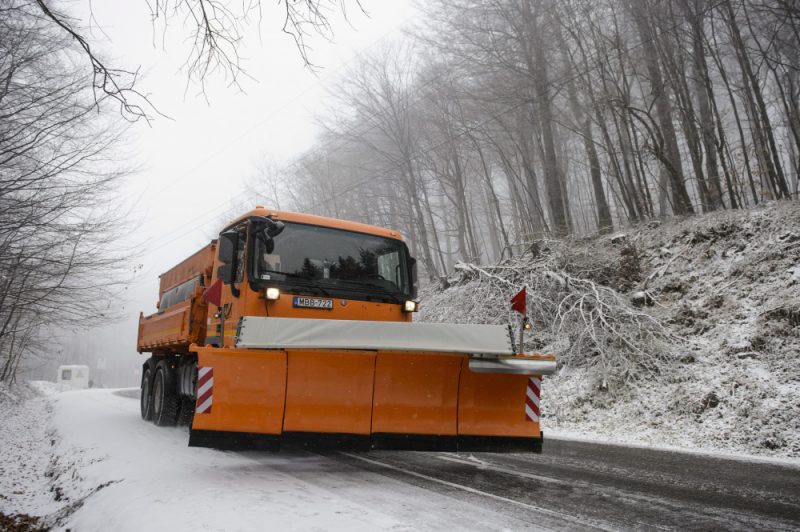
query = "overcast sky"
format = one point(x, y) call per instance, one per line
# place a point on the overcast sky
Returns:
point(193, 165)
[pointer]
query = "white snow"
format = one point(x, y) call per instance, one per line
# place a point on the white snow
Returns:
point(794, 271)
point(114, 471)
point(25, 442)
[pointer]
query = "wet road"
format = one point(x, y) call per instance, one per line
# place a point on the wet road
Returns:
point(131, 393)
point(586, 486)
point(593, 486)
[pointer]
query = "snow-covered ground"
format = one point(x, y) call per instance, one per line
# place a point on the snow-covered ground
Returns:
point(726, 285)
point(85, 461)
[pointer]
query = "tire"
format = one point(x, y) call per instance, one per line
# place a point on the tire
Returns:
point(146, 394)
point(186, 415)
point(166, 401)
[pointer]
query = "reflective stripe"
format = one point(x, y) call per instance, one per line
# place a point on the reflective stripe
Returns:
point(205, 389)
point(532, 399)
point(532, 396)
point(204, 408)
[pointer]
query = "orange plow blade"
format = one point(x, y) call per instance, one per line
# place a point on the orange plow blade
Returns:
point(363, 399)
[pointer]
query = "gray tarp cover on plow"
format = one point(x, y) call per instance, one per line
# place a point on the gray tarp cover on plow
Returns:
point(301, 333)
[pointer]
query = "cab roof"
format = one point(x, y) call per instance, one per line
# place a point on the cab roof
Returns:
point(322, 221)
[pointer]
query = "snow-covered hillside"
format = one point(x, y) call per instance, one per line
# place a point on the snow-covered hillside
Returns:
point(711, 306)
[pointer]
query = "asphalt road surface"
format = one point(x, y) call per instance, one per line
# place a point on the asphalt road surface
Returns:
point(594, 486)
point(588, 486)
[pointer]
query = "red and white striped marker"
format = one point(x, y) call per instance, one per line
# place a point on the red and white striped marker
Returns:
point(205, 388)
point(532, 399)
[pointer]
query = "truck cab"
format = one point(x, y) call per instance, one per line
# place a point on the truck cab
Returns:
point(279, 264)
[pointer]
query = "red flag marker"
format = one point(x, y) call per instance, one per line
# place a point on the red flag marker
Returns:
point(518, 302)
point(213, 293)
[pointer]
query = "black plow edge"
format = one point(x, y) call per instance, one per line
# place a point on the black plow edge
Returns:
point(356, 442)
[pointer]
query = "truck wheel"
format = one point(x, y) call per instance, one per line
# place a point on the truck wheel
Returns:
point(166, 400)
point(186, 415)
point(146, 395)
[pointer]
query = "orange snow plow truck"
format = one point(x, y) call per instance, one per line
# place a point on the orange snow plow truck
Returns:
point(297, 329)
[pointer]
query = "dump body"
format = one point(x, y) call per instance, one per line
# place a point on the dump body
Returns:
point(183, 313)
point(302, 333)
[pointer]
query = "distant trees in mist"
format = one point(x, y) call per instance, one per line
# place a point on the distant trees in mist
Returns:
point(57, 171)
point(499, 123)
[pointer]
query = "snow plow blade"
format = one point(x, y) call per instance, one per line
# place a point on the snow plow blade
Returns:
point(371, 385)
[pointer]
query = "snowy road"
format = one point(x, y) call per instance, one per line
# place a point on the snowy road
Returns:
point(124, 474)
point(584, 486)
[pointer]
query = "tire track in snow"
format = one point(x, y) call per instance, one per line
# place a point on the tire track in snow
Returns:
point(506, 500)
point(594, 486)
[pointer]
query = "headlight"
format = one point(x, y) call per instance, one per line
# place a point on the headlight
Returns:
point(273, 294)
point(411, 306)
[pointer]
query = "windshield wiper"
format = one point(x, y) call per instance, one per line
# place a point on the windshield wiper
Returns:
point(308, 283)
point(383, 290)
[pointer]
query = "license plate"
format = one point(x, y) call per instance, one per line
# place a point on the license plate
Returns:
point(313, 302)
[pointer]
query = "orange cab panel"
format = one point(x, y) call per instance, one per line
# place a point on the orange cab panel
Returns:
point(329, 391)
point(493, 404)
point(248, 390)
point(416, 393)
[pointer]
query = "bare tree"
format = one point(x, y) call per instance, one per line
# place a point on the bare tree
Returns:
point(527, 119)
point(216, 31)
point(56, 177)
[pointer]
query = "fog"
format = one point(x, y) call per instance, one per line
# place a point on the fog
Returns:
point(191, 163)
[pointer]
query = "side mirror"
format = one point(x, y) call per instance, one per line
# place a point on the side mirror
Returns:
point(226, 273)
point(413, 262)
point(228, 242)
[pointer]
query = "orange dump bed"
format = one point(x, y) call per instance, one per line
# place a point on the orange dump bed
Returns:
point(182, 315)
point(174, 328)
point(198, 264)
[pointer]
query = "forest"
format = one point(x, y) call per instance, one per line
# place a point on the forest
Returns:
point(487, 129)
point(492, 126)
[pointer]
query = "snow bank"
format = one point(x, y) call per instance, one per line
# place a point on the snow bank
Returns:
point(26, 443)
point(726, 288)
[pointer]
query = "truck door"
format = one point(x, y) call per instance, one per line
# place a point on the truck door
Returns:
point(231, 271)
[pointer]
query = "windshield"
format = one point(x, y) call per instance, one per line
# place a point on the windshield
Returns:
point(334, 259)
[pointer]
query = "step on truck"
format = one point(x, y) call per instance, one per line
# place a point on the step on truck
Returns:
point(297, 329)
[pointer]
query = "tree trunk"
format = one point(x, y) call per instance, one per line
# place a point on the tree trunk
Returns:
point(681, 204)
